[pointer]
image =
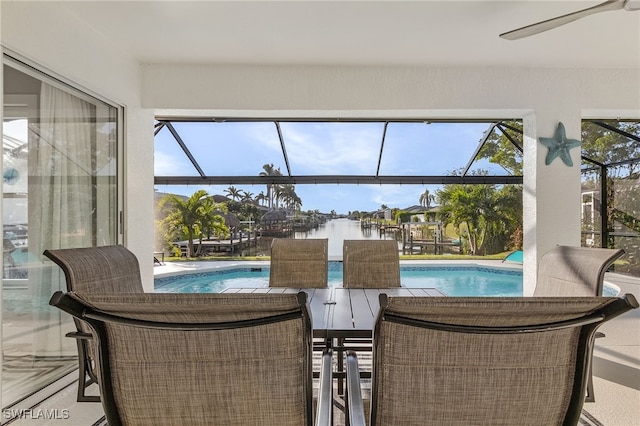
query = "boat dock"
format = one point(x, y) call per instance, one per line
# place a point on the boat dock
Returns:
point(426, 237)
point(427, 246)
point(233, 245)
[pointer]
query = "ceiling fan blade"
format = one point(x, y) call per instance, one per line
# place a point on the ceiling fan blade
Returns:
point(549, 24)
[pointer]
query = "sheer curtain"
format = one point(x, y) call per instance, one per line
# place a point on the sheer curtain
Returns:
point(61, 200)
point(64, 181)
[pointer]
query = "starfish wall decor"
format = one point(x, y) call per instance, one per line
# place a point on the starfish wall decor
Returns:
point(559, 146)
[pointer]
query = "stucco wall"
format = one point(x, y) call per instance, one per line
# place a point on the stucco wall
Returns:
point(453, 92)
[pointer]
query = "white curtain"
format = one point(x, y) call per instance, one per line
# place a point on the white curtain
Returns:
point(61, 168)
point(61, 200)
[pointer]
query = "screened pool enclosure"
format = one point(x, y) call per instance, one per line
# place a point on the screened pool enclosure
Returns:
point(407, 156)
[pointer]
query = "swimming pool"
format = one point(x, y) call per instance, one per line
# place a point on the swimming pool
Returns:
point(458, 280)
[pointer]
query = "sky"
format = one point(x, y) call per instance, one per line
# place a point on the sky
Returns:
point(328, 148)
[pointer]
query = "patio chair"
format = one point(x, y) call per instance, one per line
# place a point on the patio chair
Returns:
point(299, 263)
point(480, 361)
point(204, 359)
point(575, 271)
point(370, 264)
point(95, 270)
point(366, 264)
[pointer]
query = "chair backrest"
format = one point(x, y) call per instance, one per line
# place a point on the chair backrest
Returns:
point(574, 271)
point(484, 361)
point(200, 359)
point(300, 263)
point(370, 264)
point(103, 269)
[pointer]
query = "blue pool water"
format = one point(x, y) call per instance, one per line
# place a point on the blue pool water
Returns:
point(451, 280)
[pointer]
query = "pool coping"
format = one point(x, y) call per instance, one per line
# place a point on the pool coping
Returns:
point(180, 268)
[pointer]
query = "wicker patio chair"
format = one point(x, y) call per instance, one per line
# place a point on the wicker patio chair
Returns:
point(204, 359)
point(371, 264)
point(480, 361)
point(575, 271)
point(95, 270)
point(299, 263)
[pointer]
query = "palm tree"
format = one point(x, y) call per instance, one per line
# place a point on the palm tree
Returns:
point(488, 215)
point(277, 194)
point(192, 216)
point(233, 192)
point(261, 198)
point(426, 198)
point(287, 194)
point(268, 171)
point(212, 221)
point(246, 196)
point(271, 170)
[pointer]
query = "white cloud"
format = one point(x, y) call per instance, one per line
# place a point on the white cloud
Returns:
point(332, 148)
point(169, 165)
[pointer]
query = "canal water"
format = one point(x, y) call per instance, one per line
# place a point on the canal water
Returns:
point(338, 230)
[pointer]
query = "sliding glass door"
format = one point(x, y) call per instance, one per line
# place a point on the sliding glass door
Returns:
point(59, 190)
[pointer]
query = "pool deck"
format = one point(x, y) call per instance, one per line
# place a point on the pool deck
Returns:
point(616, 361)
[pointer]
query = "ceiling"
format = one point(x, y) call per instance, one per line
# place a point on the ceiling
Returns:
point(432, 33)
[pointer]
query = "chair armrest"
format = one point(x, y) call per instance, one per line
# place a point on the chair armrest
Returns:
point(355, 403)
point(324, 408)
point(79, 335)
